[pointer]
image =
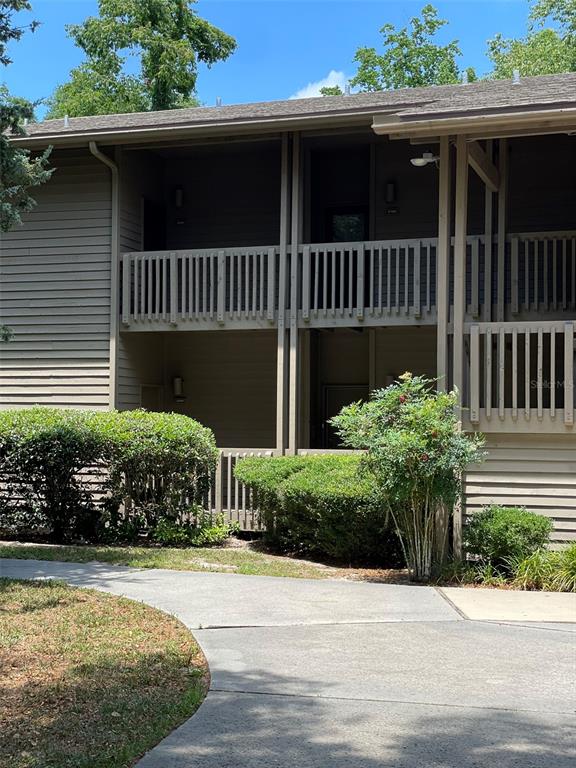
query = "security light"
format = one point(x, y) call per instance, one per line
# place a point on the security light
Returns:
point(427, 157)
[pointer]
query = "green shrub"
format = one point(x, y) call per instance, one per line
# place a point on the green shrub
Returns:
point(503, 536)
point(205, 532)
point(150, 466)
point(161, 462)
point(415, 454)
point(42, 453)
point(548, 570)
point(321, 505)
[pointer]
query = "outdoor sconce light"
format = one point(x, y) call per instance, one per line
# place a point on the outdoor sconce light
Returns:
point(178, 389)
point(427, 157)
point(390, 195)
point(178, 197)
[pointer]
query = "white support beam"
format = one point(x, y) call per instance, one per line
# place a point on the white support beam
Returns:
point(294, 358)
point(443, 262)
point(460, 227)
point(483, 166)
point(502, 215)
point(281, 367)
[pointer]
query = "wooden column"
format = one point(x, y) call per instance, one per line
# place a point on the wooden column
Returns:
point(488, 226)
point(460, 227)
point(443, 262)
point(281, 363)
point(296, 223)
point(502, 206)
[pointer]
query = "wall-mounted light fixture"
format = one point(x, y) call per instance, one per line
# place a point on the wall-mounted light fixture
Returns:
point(178, 197)
point(426, 159)
point(178, 389)
point(390, 193)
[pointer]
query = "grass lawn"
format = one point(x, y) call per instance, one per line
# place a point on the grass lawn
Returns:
point(246, 559)
point(89, 680)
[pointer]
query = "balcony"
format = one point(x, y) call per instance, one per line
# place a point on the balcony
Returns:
point(371, 283)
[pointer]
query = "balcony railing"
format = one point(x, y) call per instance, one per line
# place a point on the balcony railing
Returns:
point(389, 281)
point(521, 376)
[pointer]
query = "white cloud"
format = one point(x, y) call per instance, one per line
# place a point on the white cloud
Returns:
point(313, 89)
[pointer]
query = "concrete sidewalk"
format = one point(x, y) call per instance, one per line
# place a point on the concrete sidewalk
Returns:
point(323, 674)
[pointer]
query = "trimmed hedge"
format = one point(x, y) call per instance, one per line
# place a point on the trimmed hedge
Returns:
point(100, 475)
point(503, 536)
point(321, 505)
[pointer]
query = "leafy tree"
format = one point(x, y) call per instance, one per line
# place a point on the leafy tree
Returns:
point(167, 38)
point(19, 171)
point(543, 51)
point(411, 57)
point(416, 454)
point(331, 90)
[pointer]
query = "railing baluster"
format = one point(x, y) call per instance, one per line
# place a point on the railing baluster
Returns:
point(514, 276)
point(342, 283)
point(488, 352)
point(474, 374)
point(539, 367)
point(475, 267)
point(416, 297)
point(514, 374)
point(501, 372)
point(221, 286)
point(527, 373)
point(126, 288)
point(553, 373)
point(173, 288)
point(271, 300)
point(306, 283)
point(569, 373)
point(360, 281)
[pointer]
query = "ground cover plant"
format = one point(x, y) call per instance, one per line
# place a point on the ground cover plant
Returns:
point(416, 454)
point(89, 680)
point(101, 476)
point(321, 505)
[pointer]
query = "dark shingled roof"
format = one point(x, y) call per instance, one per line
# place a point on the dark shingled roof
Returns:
point(408, 104)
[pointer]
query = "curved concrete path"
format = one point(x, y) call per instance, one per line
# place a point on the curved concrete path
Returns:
point(331, 674)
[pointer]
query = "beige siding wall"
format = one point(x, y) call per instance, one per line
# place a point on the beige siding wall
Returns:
point(141, 175)
point(230, 383)
point(55, 291)
point(536, 472)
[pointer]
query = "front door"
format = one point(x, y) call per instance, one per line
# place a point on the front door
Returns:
point(335, 397)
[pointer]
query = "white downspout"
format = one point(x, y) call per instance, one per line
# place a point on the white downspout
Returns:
point(114, 267)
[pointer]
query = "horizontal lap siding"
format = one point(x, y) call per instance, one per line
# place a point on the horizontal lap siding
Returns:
point(536, 472)
point(55, 292)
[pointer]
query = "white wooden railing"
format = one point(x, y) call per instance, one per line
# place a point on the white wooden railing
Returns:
point(521, 373)
point(230, 498)
point(176, 286)
point(339, 283)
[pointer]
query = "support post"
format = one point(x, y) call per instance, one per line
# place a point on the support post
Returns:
point(281, 367)
point(443, 261)
point(502, 206)
point(460, 228)
point(488, 225)
point(293, 385)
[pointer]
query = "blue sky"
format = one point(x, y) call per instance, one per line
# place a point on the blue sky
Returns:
point(285, 47)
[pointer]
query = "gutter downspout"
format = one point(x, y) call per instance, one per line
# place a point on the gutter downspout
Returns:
point(114, 267)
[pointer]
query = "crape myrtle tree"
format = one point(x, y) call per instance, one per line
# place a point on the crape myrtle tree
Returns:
point(416, 452)
point(167, 39)
point(19, 171)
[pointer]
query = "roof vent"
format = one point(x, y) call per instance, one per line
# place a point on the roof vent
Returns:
point(219, 101)
point(347, 89)
point(465, 77)
point(66, 121)
point(516, 77)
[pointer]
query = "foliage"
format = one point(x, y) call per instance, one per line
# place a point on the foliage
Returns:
point(19, 171)
point(552, 571)
point(5, 334)
point(204, 533)
point(320, 505)
point(502, 536)
point(411, 57)
point(416, 454)
point(548, 570)
point(143, 466)
point(543, 52)
point(95, 90)
point(167, 38)
point(331, 90)
point(42, 452)
point(162, 462)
